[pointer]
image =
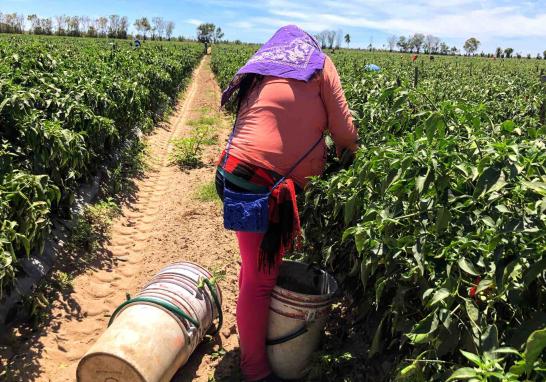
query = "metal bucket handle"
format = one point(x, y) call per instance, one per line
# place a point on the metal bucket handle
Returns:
point(300, 332)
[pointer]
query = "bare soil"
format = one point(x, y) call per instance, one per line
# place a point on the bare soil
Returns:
point(162, 224)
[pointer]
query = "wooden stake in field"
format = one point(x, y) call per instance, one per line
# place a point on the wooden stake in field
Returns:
point(543, 105)
point(416, 77)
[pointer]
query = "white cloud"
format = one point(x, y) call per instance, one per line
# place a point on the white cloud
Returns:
point(194, 22)
point(448, 18)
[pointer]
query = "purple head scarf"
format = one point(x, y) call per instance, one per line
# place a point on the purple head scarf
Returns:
point(290, 53)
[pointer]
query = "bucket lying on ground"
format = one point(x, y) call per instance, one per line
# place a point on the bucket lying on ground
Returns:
point(300, 304)
point(152, 335)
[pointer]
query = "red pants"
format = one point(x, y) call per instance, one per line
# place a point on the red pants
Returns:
point(253, 307)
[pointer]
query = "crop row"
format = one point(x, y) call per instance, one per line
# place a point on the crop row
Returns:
point(437, 231)
point(66, 107)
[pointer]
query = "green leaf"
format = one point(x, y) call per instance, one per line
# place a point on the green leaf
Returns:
point(534, 270)
point(349, 210)
point(489, 221)
point(26, 243)
point(444, 216)
point(507, 350)
point(379, 286)
point(533, 349)
point(364, 272)
point(463, 373)
point(408, 370)
point(490, 338)
point(467, 266)
point(439, 295)
point(377, 342)
point(435, 126)
point(508, 126)
point(474, 358)
point(419, 184)
point(538, 187)
point(423, 330)
point(504, 267)
point(483, 285)
point(486, 180)
point(472, 311)
point(502, 208)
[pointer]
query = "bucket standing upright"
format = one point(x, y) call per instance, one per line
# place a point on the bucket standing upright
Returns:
point(300, 304)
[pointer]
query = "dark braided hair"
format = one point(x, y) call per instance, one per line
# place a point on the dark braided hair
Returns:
point(248, 82)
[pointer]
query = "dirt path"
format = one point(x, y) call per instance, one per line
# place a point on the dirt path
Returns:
point(164, 224)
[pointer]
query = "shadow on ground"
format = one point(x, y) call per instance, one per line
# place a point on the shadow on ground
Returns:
point(227, 369)
point(20, 344)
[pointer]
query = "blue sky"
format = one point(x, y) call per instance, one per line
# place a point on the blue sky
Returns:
point(517, 24)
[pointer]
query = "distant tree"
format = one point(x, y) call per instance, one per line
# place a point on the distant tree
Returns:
point(34, 24)
point(47, 25)
point(142, 25)
point(432, 44)
point(123, 27)
point(544, 55)
point(518, 55)
point(391, 41)
point(471, 45)
point(416, 41)
point(169, 28)
point(508, 52)
point(339, 38)
point(161, 26)
point(12, 23)
point(85, 24)
point(147, 26)
point(92, 30)
point(444, 48)
point(102, 26)
point(218, 34)
point(321, 39)
point(158, 27)
point(73, 24)
point(330, 38)
point(347, 39)
point(539, 57)
point(402, 44)
point(113, 25)
point(61, 25)
point(528, 56)
point(454, 50)
point(19, 23)
point(138, 26)
point(205, 32)
point(498, 52)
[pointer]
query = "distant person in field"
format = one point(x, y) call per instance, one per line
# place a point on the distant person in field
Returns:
point(287, 95)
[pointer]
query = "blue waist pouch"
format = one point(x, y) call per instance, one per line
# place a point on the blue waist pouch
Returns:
point(247, 212)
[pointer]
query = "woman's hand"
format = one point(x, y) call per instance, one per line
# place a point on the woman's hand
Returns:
point(346, 159)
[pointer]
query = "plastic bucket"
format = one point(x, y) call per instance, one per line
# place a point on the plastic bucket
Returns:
point(147, 341)
point(300, 304)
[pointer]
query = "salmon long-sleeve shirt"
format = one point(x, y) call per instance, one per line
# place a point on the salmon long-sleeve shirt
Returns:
point(282, 118)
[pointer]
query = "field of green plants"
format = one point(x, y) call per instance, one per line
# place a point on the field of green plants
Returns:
point(67, 107)
point(437, 231)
